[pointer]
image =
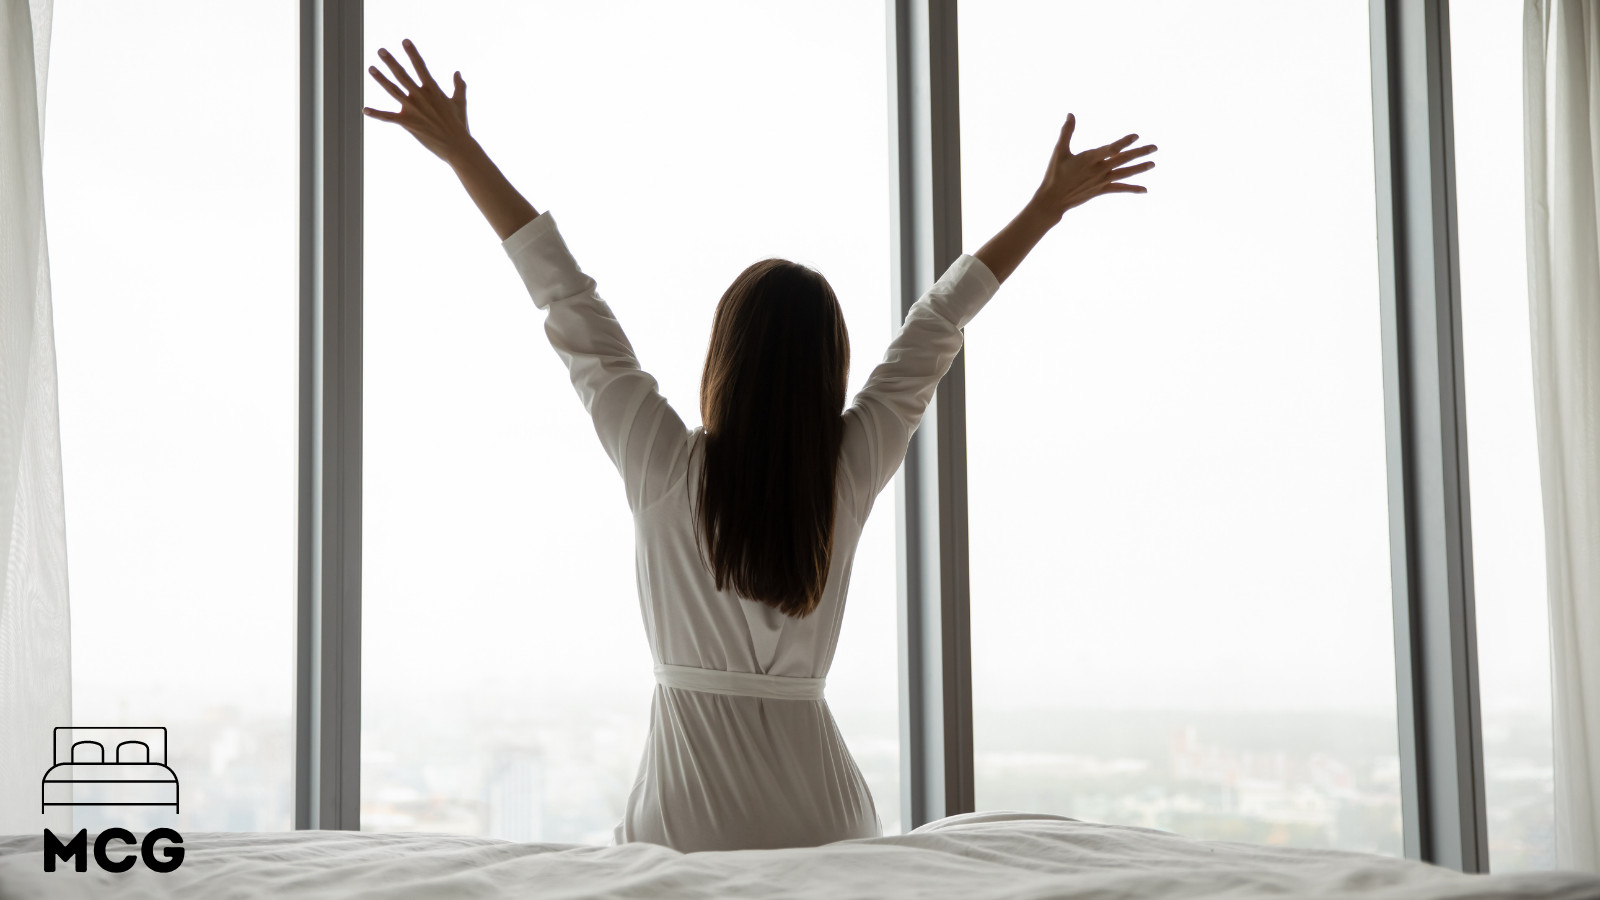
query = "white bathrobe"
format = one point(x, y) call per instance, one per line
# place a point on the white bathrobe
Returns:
point(743, 751)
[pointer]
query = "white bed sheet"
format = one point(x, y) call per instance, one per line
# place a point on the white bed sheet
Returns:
point(978, 855)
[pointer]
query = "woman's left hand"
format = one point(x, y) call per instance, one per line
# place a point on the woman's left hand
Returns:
point(436, 120)
point(1074, 178)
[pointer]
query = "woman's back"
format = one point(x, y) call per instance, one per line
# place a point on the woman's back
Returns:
point(742, 752)
point(731, 770)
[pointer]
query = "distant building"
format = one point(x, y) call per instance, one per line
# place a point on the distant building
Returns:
point(514, 795)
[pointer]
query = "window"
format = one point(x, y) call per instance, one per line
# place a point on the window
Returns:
point(172, 239)
point(1179, 539)
point(1179, 549)
point(506, 676)
point(1503, 453)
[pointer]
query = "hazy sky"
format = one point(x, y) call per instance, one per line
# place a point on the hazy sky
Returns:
point(1175, 418)
point(173, 258)
point(1175, 408)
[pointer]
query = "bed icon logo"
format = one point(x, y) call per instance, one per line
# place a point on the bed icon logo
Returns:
point(116, 767)
point(111, 767)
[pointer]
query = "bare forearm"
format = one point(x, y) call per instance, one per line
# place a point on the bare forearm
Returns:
point(505, 208)
point(1006, 250)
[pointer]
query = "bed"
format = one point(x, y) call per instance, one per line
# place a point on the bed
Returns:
point(1007, 855)
point(109, 766)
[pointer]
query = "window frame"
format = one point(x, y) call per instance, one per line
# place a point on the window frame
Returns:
point(1444, 815)
point(1440, 732)
point(327, 715)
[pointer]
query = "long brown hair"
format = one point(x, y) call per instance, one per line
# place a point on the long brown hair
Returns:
point(771, 398)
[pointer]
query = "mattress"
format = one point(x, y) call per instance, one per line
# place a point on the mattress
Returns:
point(1003, 855)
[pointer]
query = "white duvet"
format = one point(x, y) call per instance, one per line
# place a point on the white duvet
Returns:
point(976, 855)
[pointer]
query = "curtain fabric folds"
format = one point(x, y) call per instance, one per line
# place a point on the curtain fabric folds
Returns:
point(1561, 105)
point(35, 645)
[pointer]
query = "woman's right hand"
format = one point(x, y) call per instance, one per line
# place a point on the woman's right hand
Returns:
point(439, 122)
point(1073, 178)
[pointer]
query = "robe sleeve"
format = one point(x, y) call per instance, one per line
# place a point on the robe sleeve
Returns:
point(888, 408)
point(638, 428)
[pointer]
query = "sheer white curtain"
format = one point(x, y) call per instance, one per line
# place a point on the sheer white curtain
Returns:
point(1561, 103)
point(35, 643)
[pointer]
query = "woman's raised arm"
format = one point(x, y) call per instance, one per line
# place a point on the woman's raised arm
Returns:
point(636, 425)
point(889, 407)
point(439, 122)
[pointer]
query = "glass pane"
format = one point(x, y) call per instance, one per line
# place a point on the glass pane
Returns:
point(174, 263)
point(506, 675)
point(1502, 448)
point(1180, 568)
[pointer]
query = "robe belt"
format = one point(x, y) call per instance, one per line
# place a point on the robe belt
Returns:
point(741, 684)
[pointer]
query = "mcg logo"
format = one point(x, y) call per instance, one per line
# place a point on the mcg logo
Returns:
point(135, 775)
point(75, 851)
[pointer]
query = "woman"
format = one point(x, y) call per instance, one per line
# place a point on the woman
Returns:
point(746, 527)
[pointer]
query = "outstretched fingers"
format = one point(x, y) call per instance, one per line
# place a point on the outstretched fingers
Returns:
point(381, 114)
point(1113, 148)
point(388, 85)
point(400, 73)
point(416, 61)
point(1125, 171)
point(1117, 159)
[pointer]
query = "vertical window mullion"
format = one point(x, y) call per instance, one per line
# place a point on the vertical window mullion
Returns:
point(328, 622)
point(931, 489)
point(1441, 744)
